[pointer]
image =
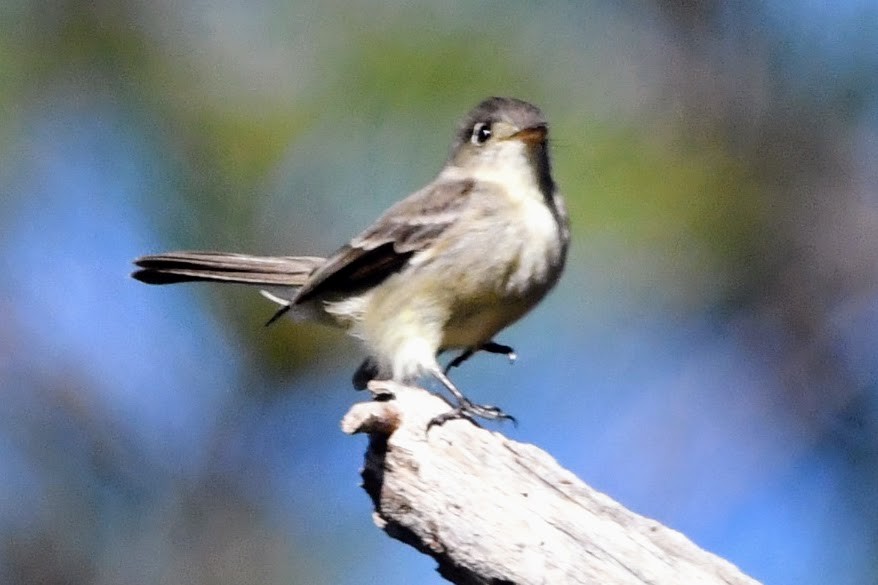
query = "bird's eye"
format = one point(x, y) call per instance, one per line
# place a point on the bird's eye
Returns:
point(481, 133)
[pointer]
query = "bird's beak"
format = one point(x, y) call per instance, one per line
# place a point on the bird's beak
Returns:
point(532, 135)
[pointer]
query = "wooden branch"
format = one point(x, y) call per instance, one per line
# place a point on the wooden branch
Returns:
point(491, 510)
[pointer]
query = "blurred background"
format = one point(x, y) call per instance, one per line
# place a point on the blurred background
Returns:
point(708, 359)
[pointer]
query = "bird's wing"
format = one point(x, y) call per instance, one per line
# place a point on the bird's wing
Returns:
point(387, 245)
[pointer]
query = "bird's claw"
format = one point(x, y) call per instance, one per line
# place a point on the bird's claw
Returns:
point(471, 411)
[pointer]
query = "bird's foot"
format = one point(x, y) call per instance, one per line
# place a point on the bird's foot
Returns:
point(471, 411)
point(501, 349)
point(490, 347)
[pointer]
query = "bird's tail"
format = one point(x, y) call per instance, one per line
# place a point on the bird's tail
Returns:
point(266, 271)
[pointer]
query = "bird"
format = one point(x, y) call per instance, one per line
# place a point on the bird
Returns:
point(444, 269)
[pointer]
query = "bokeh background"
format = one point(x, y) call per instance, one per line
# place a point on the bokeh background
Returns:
point(709, 358)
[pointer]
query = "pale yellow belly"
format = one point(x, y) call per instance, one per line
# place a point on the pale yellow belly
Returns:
point(473, 324)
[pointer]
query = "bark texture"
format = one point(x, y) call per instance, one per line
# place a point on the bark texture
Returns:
point(492, 510)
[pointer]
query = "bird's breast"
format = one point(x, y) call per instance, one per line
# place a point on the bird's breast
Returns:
point(518, 266)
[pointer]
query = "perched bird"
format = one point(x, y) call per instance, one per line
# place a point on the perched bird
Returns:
point(446, 268)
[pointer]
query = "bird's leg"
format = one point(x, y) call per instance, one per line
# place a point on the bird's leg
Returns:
point(462, 357)
point(489, 347)
point(465, 408)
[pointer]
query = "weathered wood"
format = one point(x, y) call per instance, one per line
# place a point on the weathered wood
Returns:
point(492, 510)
